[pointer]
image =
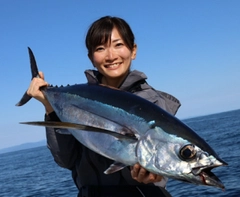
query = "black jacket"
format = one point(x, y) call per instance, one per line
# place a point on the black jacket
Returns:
point(87, 167)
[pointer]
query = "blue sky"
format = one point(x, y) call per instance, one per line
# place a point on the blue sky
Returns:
point(187, 48)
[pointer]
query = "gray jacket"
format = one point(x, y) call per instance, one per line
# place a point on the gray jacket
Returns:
point(87, 167)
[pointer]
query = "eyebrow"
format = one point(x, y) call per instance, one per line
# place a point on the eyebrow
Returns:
point(116, 39)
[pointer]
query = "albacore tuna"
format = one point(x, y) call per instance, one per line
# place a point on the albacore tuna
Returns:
point(128, 129)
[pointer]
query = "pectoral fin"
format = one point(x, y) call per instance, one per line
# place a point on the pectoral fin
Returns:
point(68, 125)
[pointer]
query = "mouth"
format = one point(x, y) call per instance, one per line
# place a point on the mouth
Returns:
point(208, 178)
point(113, 66)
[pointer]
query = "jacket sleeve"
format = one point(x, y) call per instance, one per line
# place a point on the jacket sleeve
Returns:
point(64, 147)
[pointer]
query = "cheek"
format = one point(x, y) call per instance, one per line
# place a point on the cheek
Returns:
point(126, 54)
point(97, 59)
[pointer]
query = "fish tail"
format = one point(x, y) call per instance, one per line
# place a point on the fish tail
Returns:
point(34, 71)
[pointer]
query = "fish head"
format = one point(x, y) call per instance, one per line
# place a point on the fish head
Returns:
point(168, 155)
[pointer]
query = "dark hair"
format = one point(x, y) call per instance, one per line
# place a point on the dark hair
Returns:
point(100, 32)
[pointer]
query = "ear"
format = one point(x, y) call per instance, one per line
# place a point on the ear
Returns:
point(134, 51)
point(90, 57)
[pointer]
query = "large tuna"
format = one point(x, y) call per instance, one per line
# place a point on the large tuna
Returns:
point(128, 129)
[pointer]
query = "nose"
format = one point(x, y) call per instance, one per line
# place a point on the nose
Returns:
point(110, 54)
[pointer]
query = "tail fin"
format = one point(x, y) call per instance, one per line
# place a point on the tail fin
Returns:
point(34, 71)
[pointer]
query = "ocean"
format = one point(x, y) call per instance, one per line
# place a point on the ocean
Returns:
point(32, 172)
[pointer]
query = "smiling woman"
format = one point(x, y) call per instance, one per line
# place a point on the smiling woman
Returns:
point(113, 59)
point(111, 49)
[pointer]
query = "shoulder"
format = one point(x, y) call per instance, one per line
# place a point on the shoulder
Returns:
point(92, 76)
point(164, 100)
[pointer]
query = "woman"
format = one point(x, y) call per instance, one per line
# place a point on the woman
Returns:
point(111, 49)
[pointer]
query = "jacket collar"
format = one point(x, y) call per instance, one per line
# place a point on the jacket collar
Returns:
point(134, 76)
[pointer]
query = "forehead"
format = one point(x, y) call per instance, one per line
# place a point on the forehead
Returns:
point(115, 35)
point(109, 37)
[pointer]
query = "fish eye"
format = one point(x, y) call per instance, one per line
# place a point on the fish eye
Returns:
point(187, 152)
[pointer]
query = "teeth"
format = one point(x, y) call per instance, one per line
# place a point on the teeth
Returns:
point(113, 65)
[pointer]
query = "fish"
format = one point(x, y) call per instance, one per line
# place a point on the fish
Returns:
point(129, 129)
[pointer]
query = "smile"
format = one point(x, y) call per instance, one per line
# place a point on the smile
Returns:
point(112, 66)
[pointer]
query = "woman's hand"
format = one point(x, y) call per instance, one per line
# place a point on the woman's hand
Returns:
point(141, 175)
point(34, 91)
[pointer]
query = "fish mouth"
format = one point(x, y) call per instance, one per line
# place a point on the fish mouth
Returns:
point(210, 179)
point(207, 177)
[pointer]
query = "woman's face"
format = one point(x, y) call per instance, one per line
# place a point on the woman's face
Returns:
point(113, 59)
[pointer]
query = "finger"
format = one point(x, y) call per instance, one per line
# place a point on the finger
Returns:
point(158, 178)
point(41, 75)
point(142, 175)
point(152, 178)
point(135, 170)
point(149, 178)
point(34, 88)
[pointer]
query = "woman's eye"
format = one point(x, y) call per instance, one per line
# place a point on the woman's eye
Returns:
point(99, 49)
point(119, 44)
